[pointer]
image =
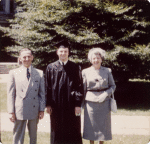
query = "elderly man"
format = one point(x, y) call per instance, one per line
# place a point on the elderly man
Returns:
point(26, 98)
point(64, 96)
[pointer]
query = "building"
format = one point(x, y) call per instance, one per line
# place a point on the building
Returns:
point(7, 10)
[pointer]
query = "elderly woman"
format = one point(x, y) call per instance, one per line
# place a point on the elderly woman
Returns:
point(98, 87)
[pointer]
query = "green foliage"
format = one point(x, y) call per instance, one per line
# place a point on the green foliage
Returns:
point(121, 27)
point(129, 63)
point(4, 42)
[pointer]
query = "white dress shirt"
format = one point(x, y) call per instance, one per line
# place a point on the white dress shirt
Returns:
point(24, 70)
point(63, 62)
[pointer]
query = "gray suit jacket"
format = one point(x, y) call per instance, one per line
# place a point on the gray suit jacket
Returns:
point(25, 98)
point(98, 80)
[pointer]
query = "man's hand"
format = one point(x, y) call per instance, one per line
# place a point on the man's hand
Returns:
point(49, 110)
point(41, 115)
point(77, 111)
point(12, 117)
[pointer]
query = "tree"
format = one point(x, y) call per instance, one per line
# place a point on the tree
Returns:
point(4, 42)
point(121, 27)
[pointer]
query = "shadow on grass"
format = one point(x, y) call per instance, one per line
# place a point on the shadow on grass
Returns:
point(133, 95)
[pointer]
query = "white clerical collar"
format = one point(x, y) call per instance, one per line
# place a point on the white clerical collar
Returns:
point(25, 68)
point(63, 62)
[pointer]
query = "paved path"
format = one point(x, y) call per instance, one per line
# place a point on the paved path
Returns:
point(127, 125)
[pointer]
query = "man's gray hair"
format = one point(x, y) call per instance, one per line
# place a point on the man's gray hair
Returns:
point(24, 49)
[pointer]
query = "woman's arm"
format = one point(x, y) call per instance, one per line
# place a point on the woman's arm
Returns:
point(84, 82)
point(111, 87)
point(111, 83)
point(84, 87)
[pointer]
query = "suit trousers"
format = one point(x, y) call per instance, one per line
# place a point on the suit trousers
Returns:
point(19, 131)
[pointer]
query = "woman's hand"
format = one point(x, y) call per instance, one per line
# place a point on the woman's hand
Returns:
point(102, 97)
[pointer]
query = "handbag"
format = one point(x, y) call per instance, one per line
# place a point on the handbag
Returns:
point(113, 104)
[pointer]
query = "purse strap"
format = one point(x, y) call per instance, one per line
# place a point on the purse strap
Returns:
point(113, 94)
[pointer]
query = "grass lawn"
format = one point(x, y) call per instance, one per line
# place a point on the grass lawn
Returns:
point(3, 97)
point(133, 98)
point(132, 112)
point(44, 138)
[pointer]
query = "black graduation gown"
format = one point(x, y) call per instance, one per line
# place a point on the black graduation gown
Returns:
point(64, 92)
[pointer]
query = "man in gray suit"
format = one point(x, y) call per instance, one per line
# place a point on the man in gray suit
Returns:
point(26, 98)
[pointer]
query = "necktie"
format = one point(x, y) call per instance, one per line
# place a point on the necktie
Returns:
point(63, 64)
point(28, 74)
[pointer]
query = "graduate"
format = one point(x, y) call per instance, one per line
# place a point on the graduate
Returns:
point(64, 94)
